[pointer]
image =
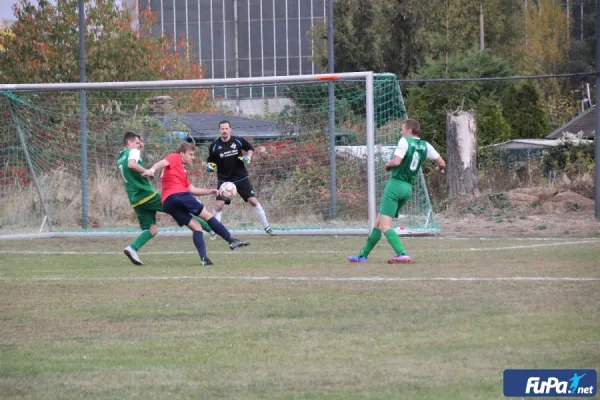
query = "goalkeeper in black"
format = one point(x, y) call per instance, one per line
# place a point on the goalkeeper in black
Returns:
point(228, 156)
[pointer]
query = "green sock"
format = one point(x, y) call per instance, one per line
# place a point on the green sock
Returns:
point(372, 241)
point(205, 226)
point(395, 241)
point(141, 240)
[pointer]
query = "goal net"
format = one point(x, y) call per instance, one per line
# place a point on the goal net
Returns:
point(314, 170)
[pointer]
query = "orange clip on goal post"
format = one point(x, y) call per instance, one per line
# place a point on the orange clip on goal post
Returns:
point(327, 77)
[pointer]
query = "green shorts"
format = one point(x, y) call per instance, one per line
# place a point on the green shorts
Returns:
point(396, 193)
point(146, 212)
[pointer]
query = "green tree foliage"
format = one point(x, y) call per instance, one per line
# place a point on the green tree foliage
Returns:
point(583, 37)
point(429, 102)
point(452, 27)
point(449, 27)
point(525, 112)
point(377, 35)
point(491, 126)
point(504, 29)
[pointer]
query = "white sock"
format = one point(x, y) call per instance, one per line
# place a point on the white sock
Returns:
point(260, 214)
point(217, 215)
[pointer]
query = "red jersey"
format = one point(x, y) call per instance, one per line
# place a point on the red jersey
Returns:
point(174, 177)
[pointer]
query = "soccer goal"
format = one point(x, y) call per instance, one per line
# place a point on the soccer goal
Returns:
point(317, 166)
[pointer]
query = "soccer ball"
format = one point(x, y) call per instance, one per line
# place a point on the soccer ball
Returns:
point(227, 190)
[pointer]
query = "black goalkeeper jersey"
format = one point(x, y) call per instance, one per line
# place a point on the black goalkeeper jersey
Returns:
point(225, 156)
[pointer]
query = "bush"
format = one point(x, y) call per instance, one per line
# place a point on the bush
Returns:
point(572, 157)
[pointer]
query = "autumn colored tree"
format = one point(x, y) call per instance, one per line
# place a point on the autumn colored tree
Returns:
point(44, 47)
point(547, 44)
point(547, 38)
point(5, 36)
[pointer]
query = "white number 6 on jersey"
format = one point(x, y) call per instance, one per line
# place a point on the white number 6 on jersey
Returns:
point(415, 162)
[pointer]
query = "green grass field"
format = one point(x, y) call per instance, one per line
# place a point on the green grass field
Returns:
point(290, 318)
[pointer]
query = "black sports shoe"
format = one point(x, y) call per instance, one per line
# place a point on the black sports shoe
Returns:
point(206, 261)
point(235, 243)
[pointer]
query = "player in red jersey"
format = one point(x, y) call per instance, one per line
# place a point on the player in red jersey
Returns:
point(178, 199)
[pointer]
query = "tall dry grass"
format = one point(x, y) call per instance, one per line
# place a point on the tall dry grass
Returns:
point(62, 194)
point(108, 206)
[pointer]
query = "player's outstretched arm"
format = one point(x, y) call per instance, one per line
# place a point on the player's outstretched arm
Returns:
point(432, 154)
point(134, 166)
point(156, 167)
point(196, 191)
point(442, 164)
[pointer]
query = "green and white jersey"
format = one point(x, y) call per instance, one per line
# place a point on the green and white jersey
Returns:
point(139, 189)
point(413, 152)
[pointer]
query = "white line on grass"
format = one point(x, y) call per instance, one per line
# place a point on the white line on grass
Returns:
point(543, 239)
point(106, 253)
point(530, 246)
point(112, 253)
point(317, 278)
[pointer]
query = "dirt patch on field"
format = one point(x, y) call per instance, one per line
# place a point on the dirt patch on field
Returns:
point(535, 211)
point(551, 225)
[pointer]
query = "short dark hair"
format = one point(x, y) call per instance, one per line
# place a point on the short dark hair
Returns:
point(224, 122)
point(130, 136)
point(413, 125)
point(185, 146)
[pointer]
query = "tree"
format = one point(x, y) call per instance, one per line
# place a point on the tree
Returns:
point(551, 49)
point(525, 112)
point(429, 102)
point(377, 35)
point(504, 29)
point(461, 146)
point(6, 35)
point(491, 125)
point(547, 37)
point(45, 46)
point(449, 27)
point(583, 38)
point(452, 27)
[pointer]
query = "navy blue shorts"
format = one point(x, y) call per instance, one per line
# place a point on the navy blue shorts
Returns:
point(244, 189)
point(181, 205)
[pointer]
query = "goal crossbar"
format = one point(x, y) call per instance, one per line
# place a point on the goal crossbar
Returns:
point(191, 83)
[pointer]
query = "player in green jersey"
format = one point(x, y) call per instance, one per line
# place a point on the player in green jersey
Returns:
point(144, 199)
point(409, 155)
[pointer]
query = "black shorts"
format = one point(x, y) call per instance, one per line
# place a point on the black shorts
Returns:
point(244, 189)
point(181, 205)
